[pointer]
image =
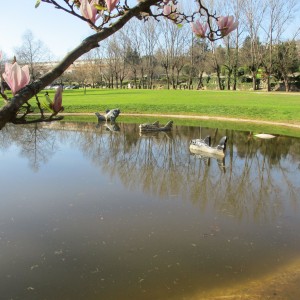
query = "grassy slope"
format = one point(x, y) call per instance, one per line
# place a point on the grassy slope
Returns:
point(259, 106)
point(276, 107)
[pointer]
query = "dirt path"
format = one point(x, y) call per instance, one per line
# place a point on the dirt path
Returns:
point(291, 125)
point(219, 119)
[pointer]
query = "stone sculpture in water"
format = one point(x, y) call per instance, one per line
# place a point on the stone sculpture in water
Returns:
point(204, 146)
point(110, 115)
point(153, 127)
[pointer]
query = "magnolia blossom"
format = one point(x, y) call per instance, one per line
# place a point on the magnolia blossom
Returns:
point(16, 77)
point(89, 11)
point(111, 4)
point(227, 24)
point(170, 10)
point(57, 103)
point(54, 106)
point(0, 55)
point(199, 29)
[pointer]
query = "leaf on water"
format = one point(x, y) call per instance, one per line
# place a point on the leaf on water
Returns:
point(33, 267)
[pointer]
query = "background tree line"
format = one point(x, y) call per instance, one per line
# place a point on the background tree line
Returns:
point(155, 54)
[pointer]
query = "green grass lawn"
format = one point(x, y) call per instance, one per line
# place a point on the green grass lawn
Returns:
point(280, 107)
point(275, 107)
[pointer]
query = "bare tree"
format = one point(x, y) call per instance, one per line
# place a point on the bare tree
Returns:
point(172, 45)
point(278, 14)
point(254, 19)
point(116, 59)
point(32, 53)
point(92, 63)
point(149, 44)
point(286, 62)
point(232, 42)
point(199, 61)
point(81, 73)
point(107, 25)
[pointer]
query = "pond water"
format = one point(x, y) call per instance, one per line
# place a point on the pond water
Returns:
point(90, 213)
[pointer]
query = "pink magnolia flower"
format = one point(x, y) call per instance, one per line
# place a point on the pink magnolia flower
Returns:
point(111, 4)
point(227, 24)
point(88, 10)
point(57, 103)
point(170, 10)
point(54, 106)
point(199, 29)
point(0, 55)
point(16, 77)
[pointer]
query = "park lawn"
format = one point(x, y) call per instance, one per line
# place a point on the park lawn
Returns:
point(277, 107)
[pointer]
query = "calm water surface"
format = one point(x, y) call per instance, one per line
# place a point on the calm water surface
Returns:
point(87, 213)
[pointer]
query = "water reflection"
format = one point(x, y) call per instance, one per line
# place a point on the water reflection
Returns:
point(34, 143)
point(112, 214)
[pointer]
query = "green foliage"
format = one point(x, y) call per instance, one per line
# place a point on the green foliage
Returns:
point(286, 61)
point(275, 107)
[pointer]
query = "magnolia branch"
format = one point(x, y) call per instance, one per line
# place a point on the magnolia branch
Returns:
point(91, 11)
point(10, 110)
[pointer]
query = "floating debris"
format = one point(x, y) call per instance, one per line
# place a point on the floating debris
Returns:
point(264, 136)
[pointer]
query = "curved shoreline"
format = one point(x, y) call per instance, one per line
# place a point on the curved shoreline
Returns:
point(218, 119)
point(197, 117)
point(283, 284)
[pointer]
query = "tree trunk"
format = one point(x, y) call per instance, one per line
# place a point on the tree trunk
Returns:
point(151, 79)
point(168, 78)
point(219, 78)
point(190, 81)
point(229, 79)
point(142, 77)
point(254, 85)
point(173, 78)
point(235, 77)
point(268, 82)
point(287, 84)
point(200, 81)
point(135, 77)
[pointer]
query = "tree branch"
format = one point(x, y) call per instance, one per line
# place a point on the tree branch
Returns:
point(9, 111)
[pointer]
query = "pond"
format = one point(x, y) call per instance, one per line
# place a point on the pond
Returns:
point(95, 212)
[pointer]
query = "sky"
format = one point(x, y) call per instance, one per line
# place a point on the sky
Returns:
point(59, 31)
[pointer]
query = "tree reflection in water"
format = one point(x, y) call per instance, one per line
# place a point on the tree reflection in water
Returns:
point(36, 144)
point(161, 164)
point(103, 229)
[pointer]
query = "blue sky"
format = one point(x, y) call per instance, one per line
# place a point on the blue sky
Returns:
point(59, 31)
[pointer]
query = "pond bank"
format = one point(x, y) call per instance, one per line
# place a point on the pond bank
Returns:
point(197, 117)
point(281, 285)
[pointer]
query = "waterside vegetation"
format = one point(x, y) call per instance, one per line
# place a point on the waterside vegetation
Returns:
point(253, 106)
